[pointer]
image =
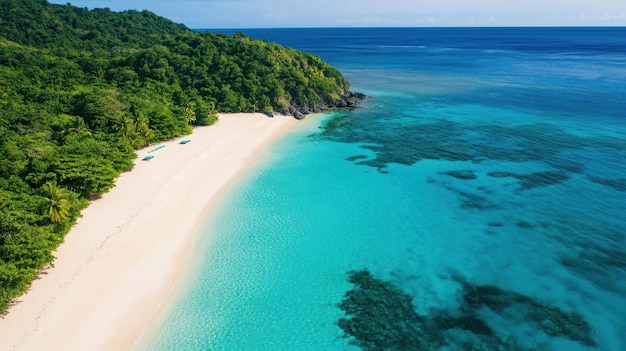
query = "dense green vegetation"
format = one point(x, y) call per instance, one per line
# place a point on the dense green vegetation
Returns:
point(81, 89)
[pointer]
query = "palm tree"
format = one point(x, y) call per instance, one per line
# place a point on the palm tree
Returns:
point(190, 114)
point(125, 127)
point(59, 204)
point(213, 113)
point(254, 106)
point(80, 127)
point(141, 126)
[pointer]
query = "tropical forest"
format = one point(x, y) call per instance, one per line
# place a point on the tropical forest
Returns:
point(81, 90)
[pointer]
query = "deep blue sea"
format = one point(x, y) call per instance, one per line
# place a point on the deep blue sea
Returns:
point(484, 176)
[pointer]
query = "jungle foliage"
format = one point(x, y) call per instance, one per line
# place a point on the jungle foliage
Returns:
point(81, 89)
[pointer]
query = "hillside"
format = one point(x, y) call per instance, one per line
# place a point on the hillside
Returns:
point(81, 89)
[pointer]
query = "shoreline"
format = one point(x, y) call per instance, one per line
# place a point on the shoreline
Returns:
point(121, 260)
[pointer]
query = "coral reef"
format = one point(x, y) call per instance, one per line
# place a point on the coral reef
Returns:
point(380, 316)
point(533, 180)
point(618, 184)
point(462, 174)
point(549, 319)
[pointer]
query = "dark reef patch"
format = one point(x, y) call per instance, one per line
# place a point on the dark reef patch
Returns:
point(380, 316)
point(541, 179)
point(603, 263)
point(523, 224)
point(356, 158)
point(566, 165)
point(470, 200)
point(475, 202)
point(533, 180)
point(551, 320)
point(618, 184)
point(594, 253)
point(462, 174)
point(467, 322)
point(502, 175)
point(442, 139)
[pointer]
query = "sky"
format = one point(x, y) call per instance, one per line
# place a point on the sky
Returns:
point(374, 13)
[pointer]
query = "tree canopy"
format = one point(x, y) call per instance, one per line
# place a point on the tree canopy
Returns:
point(81, 89)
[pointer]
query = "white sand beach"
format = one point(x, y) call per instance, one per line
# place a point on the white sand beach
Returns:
point(122, 258)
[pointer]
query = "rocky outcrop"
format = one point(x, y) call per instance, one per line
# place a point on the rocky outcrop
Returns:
point(350, 101)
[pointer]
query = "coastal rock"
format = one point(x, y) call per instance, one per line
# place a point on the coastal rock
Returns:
point(358, 95)
point(352, 103)
point(350, 100)
point(323, 106)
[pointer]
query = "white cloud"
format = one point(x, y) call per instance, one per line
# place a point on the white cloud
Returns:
point(603, 17)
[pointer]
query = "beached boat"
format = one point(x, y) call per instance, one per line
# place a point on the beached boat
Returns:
point(185, 141)
point(157, 148)
point(148, 158)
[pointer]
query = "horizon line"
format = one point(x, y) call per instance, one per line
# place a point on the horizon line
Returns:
point(418, 27)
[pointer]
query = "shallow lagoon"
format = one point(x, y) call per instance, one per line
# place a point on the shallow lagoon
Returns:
point(482, 158)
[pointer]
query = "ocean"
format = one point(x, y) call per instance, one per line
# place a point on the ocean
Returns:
point(483, 179)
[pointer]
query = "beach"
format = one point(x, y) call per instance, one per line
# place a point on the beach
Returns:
point(122, 258)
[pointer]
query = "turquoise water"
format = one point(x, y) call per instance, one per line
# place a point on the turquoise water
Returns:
point(482, 157)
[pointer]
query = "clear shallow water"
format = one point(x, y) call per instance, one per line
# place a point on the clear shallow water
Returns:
point(482, 157)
